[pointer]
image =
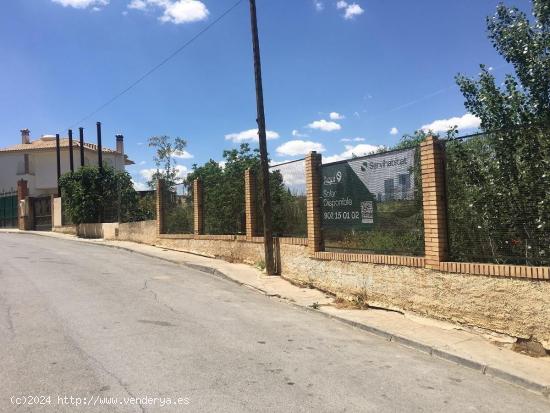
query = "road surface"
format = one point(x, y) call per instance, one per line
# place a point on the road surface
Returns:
point(129, 333)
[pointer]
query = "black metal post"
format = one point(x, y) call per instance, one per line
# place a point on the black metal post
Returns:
point(58, 155)
point(71, 161)
point(99, 148)
point(81, 133)
point(266, 193)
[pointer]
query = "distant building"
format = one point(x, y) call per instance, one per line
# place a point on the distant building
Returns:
point(36, 161)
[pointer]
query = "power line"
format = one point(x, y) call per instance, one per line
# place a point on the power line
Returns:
point(160, 64)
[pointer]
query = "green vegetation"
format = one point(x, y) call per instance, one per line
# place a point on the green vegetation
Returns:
point(499, 183)
point(288, 210)
point(166, 149)
point(92, 195)
point(223, 198)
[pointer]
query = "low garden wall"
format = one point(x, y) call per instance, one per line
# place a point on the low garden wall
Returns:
point(144, 232)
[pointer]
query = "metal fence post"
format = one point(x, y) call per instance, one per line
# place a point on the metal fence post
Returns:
point(313, 188)
point(433, 199)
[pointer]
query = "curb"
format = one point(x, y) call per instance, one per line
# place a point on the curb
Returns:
point(484, 369)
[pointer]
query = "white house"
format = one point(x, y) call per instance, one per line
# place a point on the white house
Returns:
point(36, 161)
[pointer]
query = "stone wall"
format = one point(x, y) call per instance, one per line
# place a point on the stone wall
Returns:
point(519, 308)
point(144, 232)
point(231, 250)
point(66, 229)
point(89, 230)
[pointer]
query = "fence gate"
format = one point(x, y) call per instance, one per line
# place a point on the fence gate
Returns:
point(8, 209)
point(42, 213)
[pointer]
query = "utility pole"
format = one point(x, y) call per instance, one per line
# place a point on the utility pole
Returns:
point(264, 166)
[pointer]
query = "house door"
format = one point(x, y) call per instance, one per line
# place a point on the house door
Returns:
point(42, 213)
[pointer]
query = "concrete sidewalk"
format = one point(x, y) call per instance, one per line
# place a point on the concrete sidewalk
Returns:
point(482, 351)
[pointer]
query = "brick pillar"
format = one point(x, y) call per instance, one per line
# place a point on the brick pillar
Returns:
point(160, 206)
point(198, 217)
point(250, 202)
point(313, 189)
point(433, 195)
point(22, 195)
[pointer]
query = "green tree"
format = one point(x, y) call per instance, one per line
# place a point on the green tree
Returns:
point(92, 195)
point(525, 98)
point(166, 150)
point(498, 184)
point(223, 197)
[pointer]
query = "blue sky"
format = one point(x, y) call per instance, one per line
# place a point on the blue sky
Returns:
point(338, 76)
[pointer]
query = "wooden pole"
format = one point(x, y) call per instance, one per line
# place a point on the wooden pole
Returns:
point(264, 165)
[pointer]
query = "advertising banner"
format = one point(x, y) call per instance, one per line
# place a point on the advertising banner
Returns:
point(352, 189)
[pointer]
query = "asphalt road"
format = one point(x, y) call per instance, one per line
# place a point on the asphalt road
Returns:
point(103, 324)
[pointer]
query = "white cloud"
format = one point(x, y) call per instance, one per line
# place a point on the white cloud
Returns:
point(297, 134)
point(351, 151)
point(142, 163)
point(394, 131)
point(182, 155)
point(352, 140)
point(299, 147)
point(181, 172)
point(249, 135)
point(147, 173)
point(137, 5)
point(174, 11)
point(336, 116)
point(353, 10)
point(140, 186)
point(350, 10)
point(185, 11)
point(319, 5)
point(326, 126)
point(468, 121)
point(82, 4)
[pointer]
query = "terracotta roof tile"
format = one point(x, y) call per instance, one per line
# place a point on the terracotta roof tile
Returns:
point(41, 144)
point(50, 144)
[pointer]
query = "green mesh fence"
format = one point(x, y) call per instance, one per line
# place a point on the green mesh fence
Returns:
point(374, 204)
point(8, 209)
point(498, 196)
point(178, 210)
point(223, 203)
point(288, 200)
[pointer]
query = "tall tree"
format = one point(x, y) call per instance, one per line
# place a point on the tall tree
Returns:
point(499, 184)
point(525, 97)
point(166, 150)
